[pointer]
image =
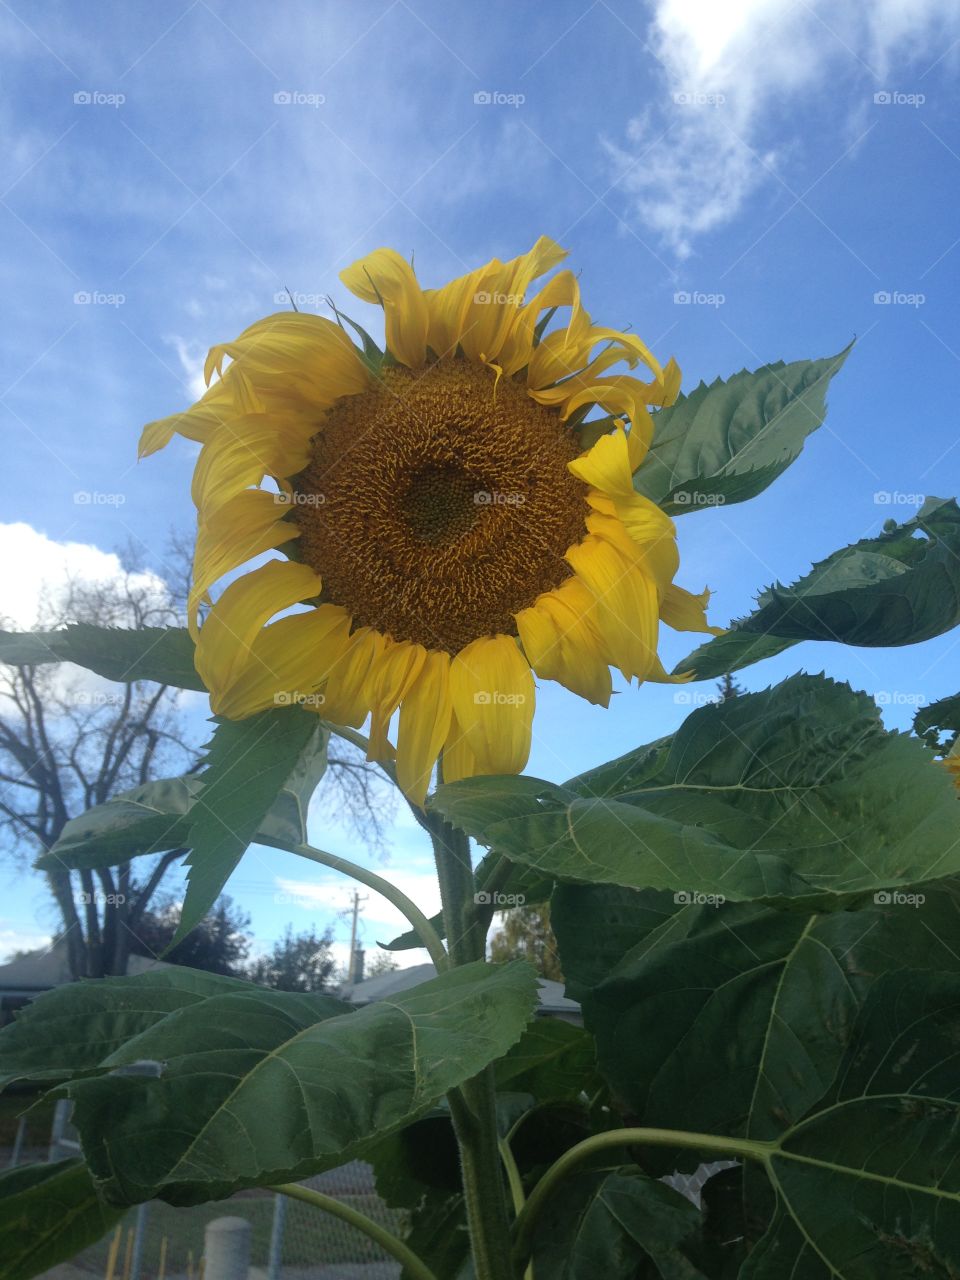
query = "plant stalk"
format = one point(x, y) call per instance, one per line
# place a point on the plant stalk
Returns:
point(414, 1266)
point(527, 1220)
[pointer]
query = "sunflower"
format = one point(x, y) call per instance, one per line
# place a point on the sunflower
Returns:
point(446, 532)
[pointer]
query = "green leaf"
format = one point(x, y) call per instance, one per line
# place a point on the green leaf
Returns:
point(899, 588)
point(939, 718)
point(768, 998)
point(48, 1213)
point(157, 816)
point(616, 1225)
point(149, 819)
point(868, 1184)
point(163, 654)
point(247, 764)
point(552, 1060)
point(70, 1030)
point(796, 796)
point(727, 442)
point(260, 1087)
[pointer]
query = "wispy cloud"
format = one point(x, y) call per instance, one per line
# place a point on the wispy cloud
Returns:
point(731, 73)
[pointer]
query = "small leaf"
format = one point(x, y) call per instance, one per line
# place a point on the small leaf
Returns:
point(48, 1213)
point(552, 1060)
point(899, 588)
point(247, 764)
point(727, 442)
point(163, 654)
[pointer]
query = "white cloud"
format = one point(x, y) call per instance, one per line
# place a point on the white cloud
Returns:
point(192, 356)
point(691, 163)
point(37, 567)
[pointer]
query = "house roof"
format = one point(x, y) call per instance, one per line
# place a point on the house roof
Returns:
point(384, 985)
point(49, 967)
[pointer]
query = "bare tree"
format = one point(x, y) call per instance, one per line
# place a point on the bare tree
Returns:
point(69, 741)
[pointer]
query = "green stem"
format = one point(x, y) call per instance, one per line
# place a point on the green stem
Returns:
point(413, 1265)
point(473, 1106)
point(526, 1222)
point(516, 1187)
point(428, 935)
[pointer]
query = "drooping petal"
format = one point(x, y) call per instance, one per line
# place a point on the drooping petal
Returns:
point(391, 677)
point(288, 664)
point(347, 694)
point(606, 465)
point(385, 277)
point(627, 603)
point(493, 699)
point(561, 640)
point(685, 611)
point(424, 725)
point(243, 453)
point(247, 525)
point(458, 760)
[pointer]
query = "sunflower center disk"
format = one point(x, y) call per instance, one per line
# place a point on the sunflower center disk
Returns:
point(435, 508)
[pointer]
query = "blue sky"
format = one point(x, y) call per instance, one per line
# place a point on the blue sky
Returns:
point(180, 165)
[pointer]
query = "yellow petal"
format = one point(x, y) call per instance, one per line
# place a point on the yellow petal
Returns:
point(199, 422)
point(424, 726)
point(606, 465)
point(458, 760)
point(347, 698)
point(247, 525)
point(560, 638)
point(562, 291)
point(390, 679)
point(229, 630)
point(242, 453)
point(384, 277)
point(685, 611)
point(627, 603)
point(288, 663)
point(493, 699)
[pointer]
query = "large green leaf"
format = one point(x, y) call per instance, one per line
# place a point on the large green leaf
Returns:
point(795, 796)
point(260, 1087)
point(899, 588)
point(617, 1225)
point(69, 1030)
point(163, 654)
point(734, 1020)
point(868, 1183)
point(728, 441)
point(48, 1213)
point(248, 762)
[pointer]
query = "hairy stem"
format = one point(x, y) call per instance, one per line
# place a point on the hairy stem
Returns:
point(473, 1106)
point(428, 935)
point(526, 1221)
point(414, 1266)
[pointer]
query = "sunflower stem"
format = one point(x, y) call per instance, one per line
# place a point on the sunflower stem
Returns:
point(473, 1106)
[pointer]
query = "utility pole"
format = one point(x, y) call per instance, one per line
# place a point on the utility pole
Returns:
point(355, 964)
